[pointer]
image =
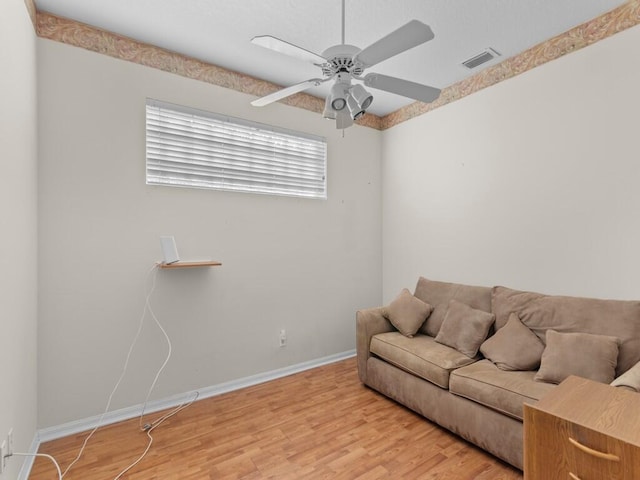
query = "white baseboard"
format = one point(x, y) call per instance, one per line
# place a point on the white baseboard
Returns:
point(77, 426)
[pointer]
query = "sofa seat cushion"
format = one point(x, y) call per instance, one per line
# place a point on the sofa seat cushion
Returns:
point(420, 355)
point(504, 391)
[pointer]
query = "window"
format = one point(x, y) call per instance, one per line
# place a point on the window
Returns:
point(194, 148)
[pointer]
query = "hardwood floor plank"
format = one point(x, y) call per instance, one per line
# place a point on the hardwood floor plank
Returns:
point(318, 424)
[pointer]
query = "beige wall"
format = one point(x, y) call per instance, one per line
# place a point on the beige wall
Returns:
point(18, 203)
point(302, 265)
point(532, 183)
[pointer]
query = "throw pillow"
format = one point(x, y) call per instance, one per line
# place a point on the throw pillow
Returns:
point(583, 354)
point(514, 347)
point(629, 379)
point(407, 313)
point(464, 328)
point(439, 294)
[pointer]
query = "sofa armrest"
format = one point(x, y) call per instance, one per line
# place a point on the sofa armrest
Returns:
point(369, 322)
point(630, 379)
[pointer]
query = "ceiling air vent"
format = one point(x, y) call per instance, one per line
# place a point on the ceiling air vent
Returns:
point(483, 57)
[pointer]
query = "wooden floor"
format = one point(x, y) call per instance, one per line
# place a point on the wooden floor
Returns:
point(319, 424)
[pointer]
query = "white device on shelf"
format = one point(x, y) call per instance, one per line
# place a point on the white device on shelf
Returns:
point(169, 250)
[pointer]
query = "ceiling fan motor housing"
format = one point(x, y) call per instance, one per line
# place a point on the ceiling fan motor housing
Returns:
point(340, 59)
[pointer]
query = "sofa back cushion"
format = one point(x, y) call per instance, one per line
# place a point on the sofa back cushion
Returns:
point(438, 294)
point(617, 318)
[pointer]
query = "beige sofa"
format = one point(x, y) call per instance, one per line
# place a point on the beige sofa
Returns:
point(480, 396)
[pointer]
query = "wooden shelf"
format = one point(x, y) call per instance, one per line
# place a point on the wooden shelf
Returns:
point(204, 263)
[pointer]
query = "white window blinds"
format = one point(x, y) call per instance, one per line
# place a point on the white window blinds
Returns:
point(194, 148)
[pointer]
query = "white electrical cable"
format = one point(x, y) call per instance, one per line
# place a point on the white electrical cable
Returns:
point(40, 455)
point(124, 368)
point(148, 428)
point(166, 337)
point(152, 427)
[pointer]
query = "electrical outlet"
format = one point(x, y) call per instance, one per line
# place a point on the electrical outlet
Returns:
point(3, 453)
point(283, 337)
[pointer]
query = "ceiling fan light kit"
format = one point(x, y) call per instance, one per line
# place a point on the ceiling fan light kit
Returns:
point(354, 109)
point(339, 93)
point(364, 98)
point(343, 120)
point(355, 98)
point(346, 63)
point(328, 112)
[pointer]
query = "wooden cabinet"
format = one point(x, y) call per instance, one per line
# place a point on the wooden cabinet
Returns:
point(583, 430)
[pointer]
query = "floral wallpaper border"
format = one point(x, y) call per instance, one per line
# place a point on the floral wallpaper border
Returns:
point(84, 36)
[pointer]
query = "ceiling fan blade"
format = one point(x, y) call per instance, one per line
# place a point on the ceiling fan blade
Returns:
point(398, 86)
point(273, 43)
point(408, 36)
point(286, 92)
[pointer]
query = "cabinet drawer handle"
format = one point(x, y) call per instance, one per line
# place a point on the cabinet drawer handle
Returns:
point(574, 476)
point(595, 453)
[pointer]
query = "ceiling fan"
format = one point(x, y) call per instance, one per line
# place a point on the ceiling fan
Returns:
point(346, 63)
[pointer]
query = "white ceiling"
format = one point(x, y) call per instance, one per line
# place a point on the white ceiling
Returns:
point(219, 32)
